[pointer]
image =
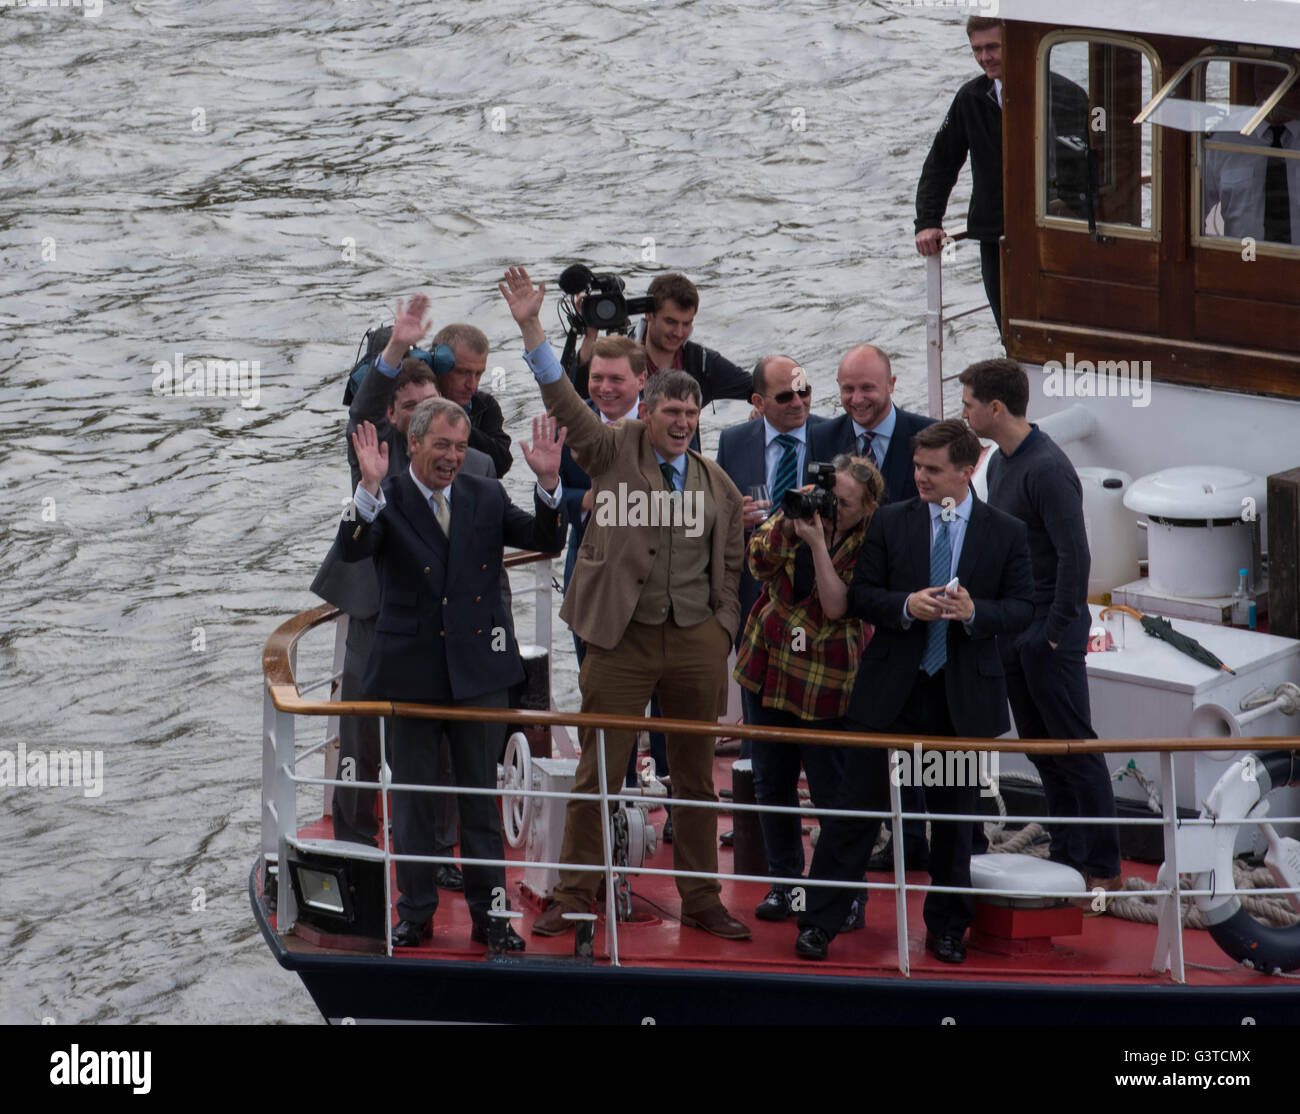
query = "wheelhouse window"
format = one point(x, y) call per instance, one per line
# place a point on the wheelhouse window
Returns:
point(1096, 163)
point(1244, 112)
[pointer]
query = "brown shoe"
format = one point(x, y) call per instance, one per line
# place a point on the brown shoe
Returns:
point(552, 922)
point(718, 922)
point(1113, 884)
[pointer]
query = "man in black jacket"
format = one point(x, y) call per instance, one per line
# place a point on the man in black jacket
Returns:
point(469, 347)
point(1047, 677)
point(973, 125)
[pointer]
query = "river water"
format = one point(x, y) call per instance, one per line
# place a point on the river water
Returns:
point(259, 181)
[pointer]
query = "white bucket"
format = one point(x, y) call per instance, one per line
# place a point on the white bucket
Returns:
point(1112, 529)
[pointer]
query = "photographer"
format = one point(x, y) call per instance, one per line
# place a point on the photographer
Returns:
point(667, 326)
point(799, 655)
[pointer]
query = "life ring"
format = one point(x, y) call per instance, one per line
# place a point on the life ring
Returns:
point(1243, 785)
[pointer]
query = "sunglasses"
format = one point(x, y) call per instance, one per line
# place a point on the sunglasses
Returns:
point(785, 396)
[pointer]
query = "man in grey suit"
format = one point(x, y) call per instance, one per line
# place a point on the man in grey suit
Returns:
point(354, 588)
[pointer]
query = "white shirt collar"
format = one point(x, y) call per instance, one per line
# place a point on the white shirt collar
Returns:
point(770, 434)
point(427, 492)
point(961, 510)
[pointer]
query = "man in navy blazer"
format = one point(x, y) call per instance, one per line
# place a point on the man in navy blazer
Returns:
point(437, 536)
point(354, 587)
point(932, 668)
point(871, 423)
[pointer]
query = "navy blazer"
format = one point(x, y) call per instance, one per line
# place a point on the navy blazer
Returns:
point(442, 633)
point(837, 436)
point(742, 453)
point(895, 562)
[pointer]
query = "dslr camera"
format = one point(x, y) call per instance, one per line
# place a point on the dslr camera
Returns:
point(821, 500)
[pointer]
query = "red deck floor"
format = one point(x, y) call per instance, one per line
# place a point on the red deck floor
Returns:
point(1109, 950)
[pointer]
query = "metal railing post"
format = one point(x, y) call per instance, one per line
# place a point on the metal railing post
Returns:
point(900, 879)
point(385, 840)
point(1171, 906)
point(934, 332)
point(286, 819)
point(332, 722)
point(611, 901)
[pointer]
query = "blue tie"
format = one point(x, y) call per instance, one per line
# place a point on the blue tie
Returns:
point(864, 449)
point(787, 468)
point(936, 637)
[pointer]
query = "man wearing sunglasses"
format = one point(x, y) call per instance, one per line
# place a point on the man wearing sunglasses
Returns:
point(769, 450)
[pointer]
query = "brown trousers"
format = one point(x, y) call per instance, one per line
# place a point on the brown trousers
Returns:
point(687, 666)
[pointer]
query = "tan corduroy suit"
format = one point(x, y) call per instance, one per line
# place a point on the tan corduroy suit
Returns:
point(627, 575)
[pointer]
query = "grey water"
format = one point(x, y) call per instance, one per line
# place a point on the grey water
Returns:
point(260, 181)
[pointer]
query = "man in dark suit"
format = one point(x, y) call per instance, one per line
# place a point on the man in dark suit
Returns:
point(436, 537)
point(931, 668)
point(872, 425)
point(388, 404)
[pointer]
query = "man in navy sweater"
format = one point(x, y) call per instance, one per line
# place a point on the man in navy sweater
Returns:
point(1030, 478)
point(973, 125)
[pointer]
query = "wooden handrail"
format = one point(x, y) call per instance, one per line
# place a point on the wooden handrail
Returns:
point(283, 688)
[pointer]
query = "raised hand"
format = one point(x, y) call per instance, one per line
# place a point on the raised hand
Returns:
point(525, 302)
point(411, 323)
point(543, 455)
point(372, 456)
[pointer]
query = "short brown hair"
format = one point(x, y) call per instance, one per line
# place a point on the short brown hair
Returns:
point(676, 288)
point(460, 335)
point(413, 370)
point(618, 348)
point(999, 380)
point(977, 23)
point(676, 385)
point(956, 436)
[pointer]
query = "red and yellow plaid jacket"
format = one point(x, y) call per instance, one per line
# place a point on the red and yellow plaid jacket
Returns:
point(796, 658)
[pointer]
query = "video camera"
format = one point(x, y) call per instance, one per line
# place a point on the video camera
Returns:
point(804, 504)
point(604, 305)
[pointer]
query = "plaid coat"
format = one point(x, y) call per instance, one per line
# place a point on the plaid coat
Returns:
point(791, 654)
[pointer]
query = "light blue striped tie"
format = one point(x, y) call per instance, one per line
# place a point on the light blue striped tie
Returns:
point(936, 637)
point(787, 468)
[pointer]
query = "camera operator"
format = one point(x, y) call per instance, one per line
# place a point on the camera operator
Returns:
point(799, 654)
point(667, 327)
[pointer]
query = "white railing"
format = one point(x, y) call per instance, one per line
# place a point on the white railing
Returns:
point(280, 823)
point(934, 322)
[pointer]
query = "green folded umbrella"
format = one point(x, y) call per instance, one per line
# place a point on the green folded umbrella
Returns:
point(1164, 630)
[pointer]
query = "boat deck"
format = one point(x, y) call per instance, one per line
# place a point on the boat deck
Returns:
point(1108, 951)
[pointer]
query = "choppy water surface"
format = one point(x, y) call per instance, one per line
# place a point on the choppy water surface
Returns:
point(190, 177)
